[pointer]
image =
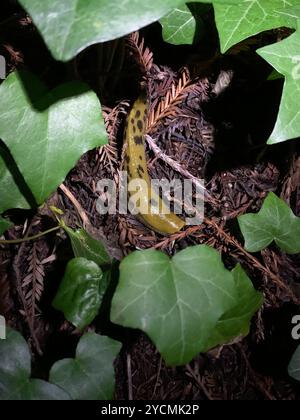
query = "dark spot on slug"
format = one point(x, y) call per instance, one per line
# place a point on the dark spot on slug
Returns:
point(153, 202)
point(138, 140)
point(141, 169)
point(132, 121)
point(145, 112)
point(145, 119)
point(137, 114)
point(127, 158)
point(140, 125)
point(141, 158)
point(134, 128)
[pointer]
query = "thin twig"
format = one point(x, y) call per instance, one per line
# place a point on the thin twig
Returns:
point(157, 378)
point(129, 377)
point(200, 383)
point(85, 220)
point(178, 168)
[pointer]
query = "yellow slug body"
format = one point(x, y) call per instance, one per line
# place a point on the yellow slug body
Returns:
point(155, 214)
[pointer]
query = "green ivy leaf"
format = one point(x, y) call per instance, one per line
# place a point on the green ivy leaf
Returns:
point(15, 366)
point(274, 222)
point(69, 26)
point(90, 376)
point(78, 296)
point(4, 225)
point(180, 302)
point(241, 19)
point(236, 321)
point(294, 366)
point(10, 193)
point(48, 132)
point(179, 26)
point(85, 246)
point(285, 58)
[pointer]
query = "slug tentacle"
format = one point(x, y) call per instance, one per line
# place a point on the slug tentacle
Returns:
point(155, 214)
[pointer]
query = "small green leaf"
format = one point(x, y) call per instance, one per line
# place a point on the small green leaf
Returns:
point(15, 365)
point(87, 247)
point(69, 26)
point(274, 222)
point(182, 302)
point(78, 296)
point(294, 366)
point(47, 132)
point(4, 225)
point(236, 321)
point(90, 376)
point(285, 58)
point(179, 26)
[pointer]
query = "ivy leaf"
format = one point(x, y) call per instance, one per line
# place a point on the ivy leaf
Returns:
point(285, 58)
point(90, 376)
point(236, 321)
point(10, 193)
point(85, 246)
point(274, 222)
point(294, 366)
point(69, 26)
point(48, 132)
point(180, 302)
point(241, 19)
point(4, 225)
point(179, 26)
point(15, 366)
point(78, 294)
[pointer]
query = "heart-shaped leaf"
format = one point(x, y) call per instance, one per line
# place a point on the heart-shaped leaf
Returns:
point(180, 302)
point(294, 366)
point(47, 132)
point(78, 296)
point(274, 222)
point(85, 246)
point(15, 366)
point(90, 376)
point(285, 58)
point(4, 225)
point(69, 26)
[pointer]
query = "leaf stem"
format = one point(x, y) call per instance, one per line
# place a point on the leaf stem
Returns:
point(29, 238)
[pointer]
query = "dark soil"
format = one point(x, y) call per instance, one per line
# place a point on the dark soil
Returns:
point(221, 138)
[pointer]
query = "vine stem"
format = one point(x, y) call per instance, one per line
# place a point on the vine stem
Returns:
point(29, 238)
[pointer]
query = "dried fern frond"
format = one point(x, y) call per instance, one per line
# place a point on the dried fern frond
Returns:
point(33, 283)
point(176, 95)
point(108, 154)
point(142, 54)
point(5, 286)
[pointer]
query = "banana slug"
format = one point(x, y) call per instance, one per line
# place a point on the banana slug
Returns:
point(156, 216)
